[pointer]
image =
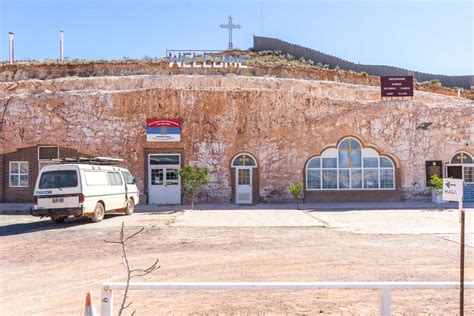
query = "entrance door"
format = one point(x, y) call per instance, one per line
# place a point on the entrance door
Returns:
point(243, 186)
point(164, 183)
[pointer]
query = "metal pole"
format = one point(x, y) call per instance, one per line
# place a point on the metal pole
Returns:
point(61, 45)
point(230, 37)
point(461, 276)
point(10, 35)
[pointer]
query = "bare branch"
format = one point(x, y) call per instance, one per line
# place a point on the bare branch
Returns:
point(112, 242)
point(133, 235)
point(131, 273)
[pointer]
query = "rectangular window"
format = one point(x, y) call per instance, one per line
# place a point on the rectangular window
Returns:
point(329, 163)
point(172, 176)
point(356, 178)
point(114, 178)
point(329, 179)
point(164, 160)
point(344, 179)
point(343, 159)
point(314, 179)
point(157, 176)
point(371, 178)
point(386, 178)
point(96, 178)
point(58, 179)
point(18, 174)
point(469, 174)
point(371, 162)
point(48, 152)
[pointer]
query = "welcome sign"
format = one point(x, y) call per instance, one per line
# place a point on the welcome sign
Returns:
point(163, 130)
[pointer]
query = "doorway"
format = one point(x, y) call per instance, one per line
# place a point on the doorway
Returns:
point(164, 182)
point(244, 167)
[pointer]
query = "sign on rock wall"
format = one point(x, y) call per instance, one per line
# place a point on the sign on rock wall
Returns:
point(163, 130)
point(396, 86)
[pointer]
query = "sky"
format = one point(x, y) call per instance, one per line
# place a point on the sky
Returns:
point(434, 36)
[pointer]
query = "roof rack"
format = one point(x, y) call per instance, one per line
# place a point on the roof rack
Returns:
point(89, 160)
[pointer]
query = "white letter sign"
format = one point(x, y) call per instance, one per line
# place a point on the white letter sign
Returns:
point(453, 190)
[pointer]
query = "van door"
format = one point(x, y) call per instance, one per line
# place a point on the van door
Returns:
point(58, 189)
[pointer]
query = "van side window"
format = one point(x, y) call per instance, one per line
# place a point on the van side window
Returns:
point(128, 177)
point(95, 178)
point(115, 178)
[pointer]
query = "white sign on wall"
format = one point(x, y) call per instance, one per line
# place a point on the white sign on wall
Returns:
point(453, 189)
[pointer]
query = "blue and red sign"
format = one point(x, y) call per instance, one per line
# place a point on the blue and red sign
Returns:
point(163, 130)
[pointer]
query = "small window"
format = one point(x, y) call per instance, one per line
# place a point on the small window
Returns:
point(18, 174)
point(58, 179)
point(48, 152)
point(164, 160)
point(128, 177)
point(114, 178)
point(244, 160)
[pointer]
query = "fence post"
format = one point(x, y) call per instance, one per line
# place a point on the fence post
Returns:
point(106, 302)
point(385, 302)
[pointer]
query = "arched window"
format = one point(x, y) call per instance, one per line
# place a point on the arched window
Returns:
point(244, 160)
point(461, 158)
point(348, 167)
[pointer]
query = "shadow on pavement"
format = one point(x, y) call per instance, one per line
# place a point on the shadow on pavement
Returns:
point(46, 224)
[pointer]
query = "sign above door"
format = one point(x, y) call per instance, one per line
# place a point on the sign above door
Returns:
point(163, 130)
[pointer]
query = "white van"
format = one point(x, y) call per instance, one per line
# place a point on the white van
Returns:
point(83, 189)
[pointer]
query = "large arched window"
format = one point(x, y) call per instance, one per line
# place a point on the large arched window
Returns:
point(350, 166)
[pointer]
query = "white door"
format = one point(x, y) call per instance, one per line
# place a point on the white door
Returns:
point(243, 185)
point(164, 183)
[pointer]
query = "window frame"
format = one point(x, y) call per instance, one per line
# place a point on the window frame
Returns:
point(361, 168)
point(19, 174)
point(244, 166)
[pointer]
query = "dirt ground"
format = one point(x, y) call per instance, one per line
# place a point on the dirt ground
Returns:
point(47, 268)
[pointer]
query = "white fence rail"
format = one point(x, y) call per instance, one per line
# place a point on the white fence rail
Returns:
point(384, 287)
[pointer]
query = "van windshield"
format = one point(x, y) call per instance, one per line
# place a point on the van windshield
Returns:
point(58, 179)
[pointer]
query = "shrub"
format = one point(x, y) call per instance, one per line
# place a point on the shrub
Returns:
point(194, 178)
point(295, 190)
point(437, 183)
point(364, 74)
point(435, 82)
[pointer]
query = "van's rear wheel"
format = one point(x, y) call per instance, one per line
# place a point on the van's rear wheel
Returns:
point(99, 212)
point(130, 207)
point(58, 219)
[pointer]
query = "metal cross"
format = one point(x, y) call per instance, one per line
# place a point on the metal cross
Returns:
point(244, 159)
point(230, 26)
point(462, 157)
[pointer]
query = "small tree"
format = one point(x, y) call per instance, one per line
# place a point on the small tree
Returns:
point(437, 183)
point(295, 190)
point(193, 179)
point(364, 73)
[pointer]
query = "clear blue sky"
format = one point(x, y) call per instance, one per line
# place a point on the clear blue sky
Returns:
point(432, 36)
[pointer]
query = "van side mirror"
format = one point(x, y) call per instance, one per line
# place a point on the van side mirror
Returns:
point(134, 181)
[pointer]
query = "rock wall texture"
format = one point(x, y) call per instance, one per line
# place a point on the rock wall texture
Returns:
point(282, 122)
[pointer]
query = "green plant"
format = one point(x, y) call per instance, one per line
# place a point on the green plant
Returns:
point(295, 190)
point(437, 183)
point(435, 82)
point(455, 88)
point(364, 73)
point(194, 178)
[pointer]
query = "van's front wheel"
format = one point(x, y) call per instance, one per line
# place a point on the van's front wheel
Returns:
point(99, 212)
point(129, 207)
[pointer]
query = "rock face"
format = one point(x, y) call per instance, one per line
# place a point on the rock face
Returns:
point(282, 122)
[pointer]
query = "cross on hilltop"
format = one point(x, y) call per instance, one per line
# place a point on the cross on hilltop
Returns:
point(230, 26)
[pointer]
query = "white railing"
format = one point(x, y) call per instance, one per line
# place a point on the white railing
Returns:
point(384, 287)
